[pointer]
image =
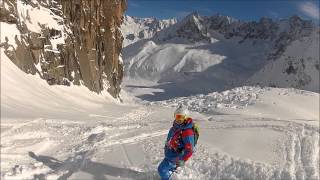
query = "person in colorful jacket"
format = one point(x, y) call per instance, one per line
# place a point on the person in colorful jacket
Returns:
point(179, 144)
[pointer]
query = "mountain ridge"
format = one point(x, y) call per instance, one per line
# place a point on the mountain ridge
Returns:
point(217, 53)
point(135, 29)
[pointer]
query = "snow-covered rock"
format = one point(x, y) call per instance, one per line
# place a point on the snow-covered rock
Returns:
point(192, 27)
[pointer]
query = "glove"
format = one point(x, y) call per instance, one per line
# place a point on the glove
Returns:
point(180, 163)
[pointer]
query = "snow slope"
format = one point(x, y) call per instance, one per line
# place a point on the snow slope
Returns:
point(255, 133)
point(192, 68)
point(35, 95)
point(297, 67)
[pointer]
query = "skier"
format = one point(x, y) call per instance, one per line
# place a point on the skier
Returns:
point(179, 145)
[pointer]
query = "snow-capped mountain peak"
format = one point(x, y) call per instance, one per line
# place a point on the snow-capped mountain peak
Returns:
point(191, 28)
point(135, 29)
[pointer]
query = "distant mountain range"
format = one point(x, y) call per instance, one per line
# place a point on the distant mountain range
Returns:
point(135, 29)
point(204, 54)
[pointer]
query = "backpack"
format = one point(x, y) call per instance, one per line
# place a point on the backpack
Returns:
point(196, 130)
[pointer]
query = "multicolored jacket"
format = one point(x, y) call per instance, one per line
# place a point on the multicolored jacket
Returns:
point(180, 141)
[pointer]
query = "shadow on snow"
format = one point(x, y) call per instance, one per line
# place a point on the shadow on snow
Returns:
point(79, 162)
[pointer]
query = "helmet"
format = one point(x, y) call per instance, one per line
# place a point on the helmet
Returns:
point(181, 113)
point(182, 110)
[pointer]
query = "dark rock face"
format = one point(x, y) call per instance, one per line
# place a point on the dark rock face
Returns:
point(97, 41)
point(83, 46)
point(192, 29)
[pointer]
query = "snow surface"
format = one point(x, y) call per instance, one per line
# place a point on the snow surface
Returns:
point(8, 33)
point(187, 69)
point(56, 132)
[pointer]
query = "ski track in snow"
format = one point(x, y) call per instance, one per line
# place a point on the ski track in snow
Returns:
point(301, 158)
point(136, 128)
point(302, 150)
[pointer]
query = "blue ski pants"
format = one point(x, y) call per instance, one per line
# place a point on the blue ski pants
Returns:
point(166, 168)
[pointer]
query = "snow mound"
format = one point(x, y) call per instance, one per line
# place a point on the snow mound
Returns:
point(276, 103)
point(235, 98)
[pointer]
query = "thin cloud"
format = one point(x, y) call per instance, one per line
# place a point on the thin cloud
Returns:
point(310, 9)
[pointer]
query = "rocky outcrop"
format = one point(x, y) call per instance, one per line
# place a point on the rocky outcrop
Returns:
point(192, 28)
point(66, 42)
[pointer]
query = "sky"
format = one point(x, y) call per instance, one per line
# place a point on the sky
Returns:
point(240, 9)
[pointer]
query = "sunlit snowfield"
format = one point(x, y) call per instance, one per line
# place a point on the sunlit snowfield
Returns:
point(69, 132)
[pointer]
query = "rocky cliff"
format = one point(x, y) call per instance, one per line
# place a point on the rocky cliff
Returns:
point(66, 42)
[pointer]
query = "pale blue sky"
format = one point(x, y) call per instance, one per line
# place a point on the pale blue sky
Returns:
point(239, 9)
